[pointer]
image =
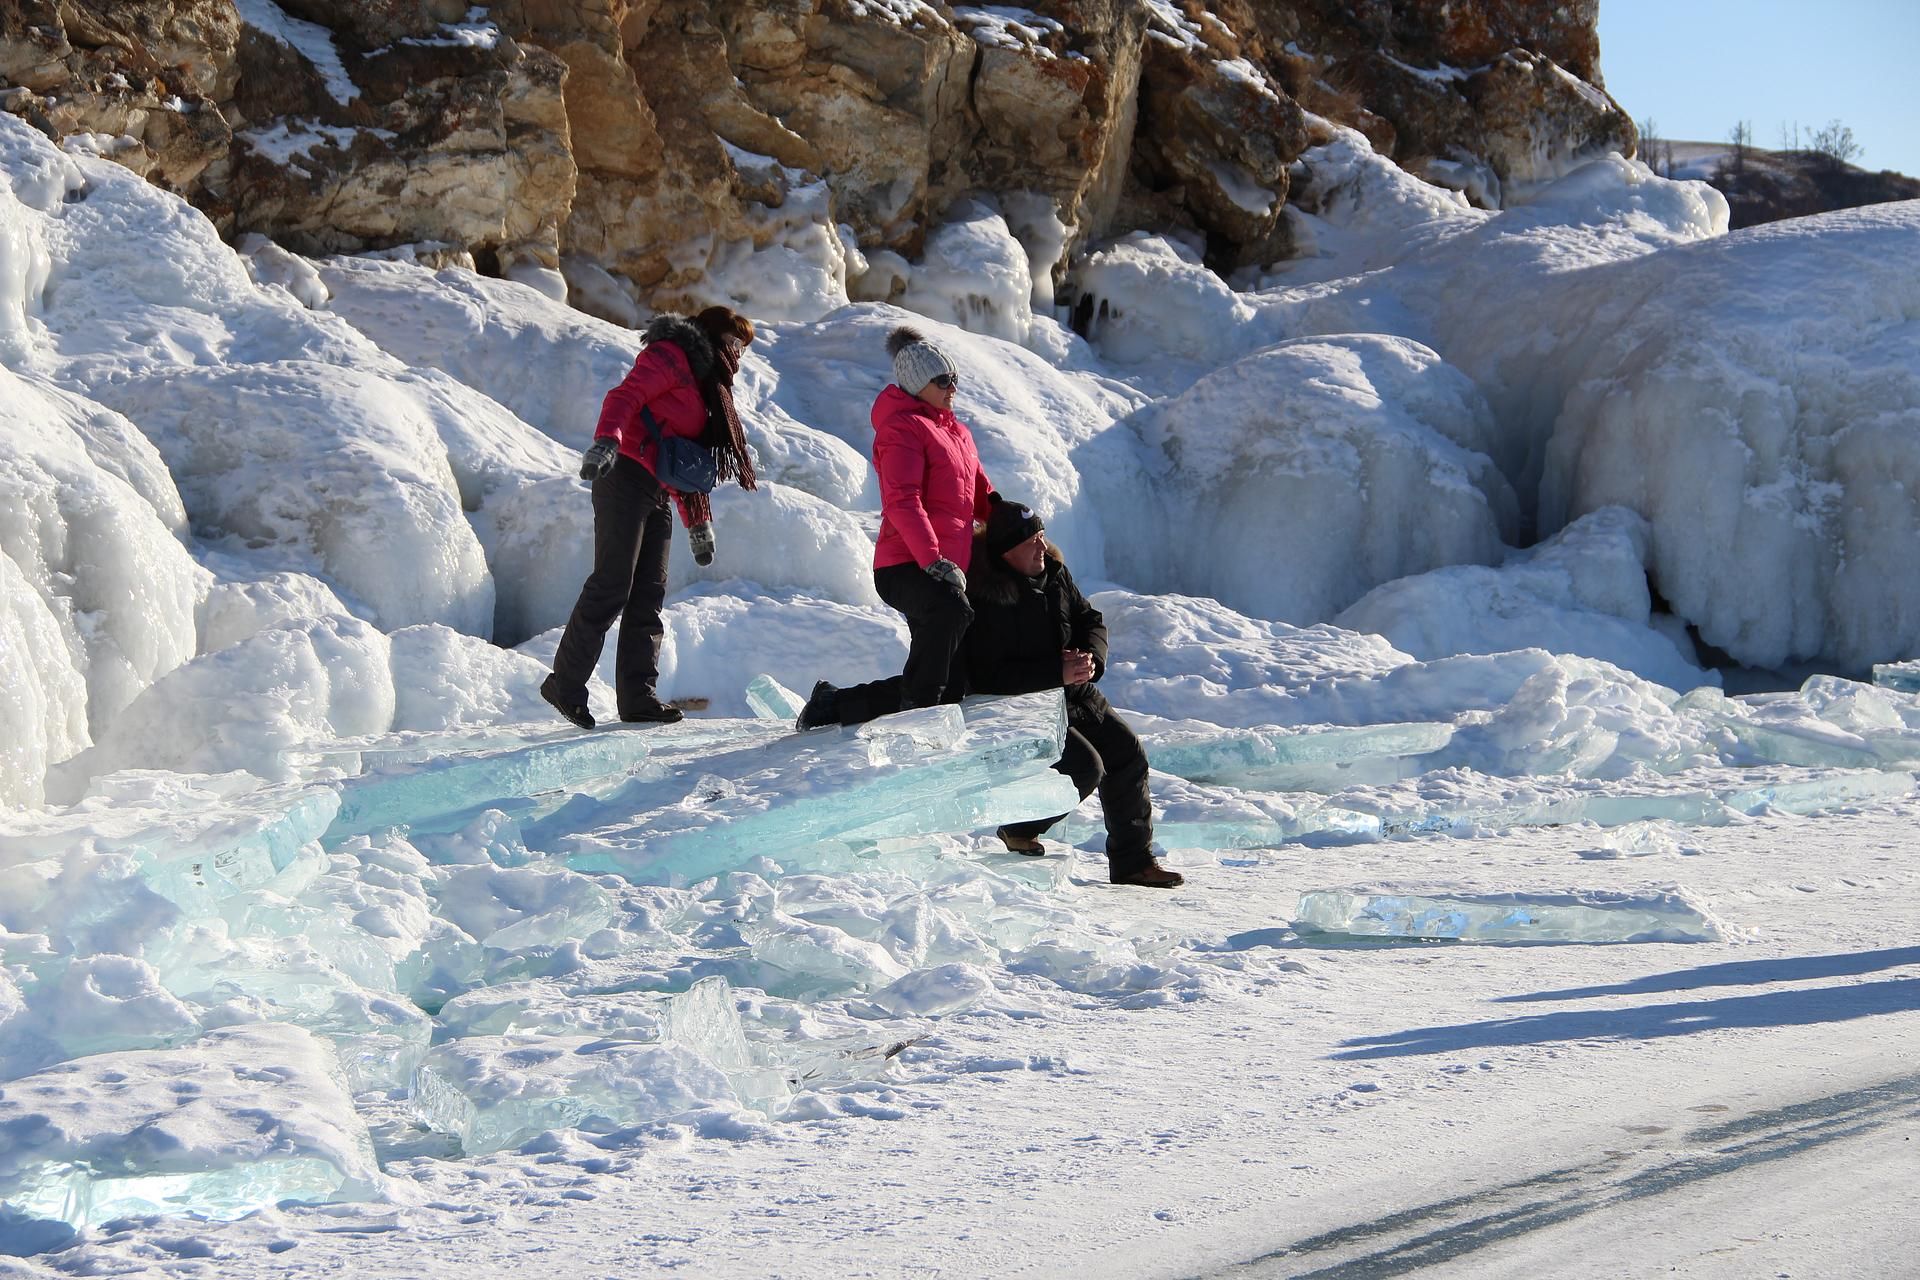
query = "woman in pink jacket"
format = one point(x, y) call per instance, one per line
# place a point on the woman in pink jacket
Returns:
point(932, 490)
point(682, 380)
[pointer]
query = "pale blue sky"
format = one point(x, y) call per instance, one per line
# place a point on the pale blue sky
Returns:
point(1699, 66)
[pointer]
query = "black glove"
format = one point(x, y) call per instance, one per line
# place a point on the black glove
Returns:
point(946, 571)
point(598, 459)
point(700, 538)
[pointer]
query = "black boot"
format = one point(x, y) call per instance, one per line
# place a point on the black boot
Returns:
point(647, 709)
point(566, 706)
point(1021, 844)
point(821, 711)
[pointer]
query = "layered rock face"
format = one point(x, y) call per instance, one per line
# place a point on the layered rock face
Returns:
point(650, 139)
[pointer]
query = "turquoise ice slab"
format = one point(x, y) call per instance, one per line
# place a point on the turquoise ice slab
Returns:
point(1275, 758)
point(942, 769)
point(1658, 915)
point(442, 793)
point(194, 844)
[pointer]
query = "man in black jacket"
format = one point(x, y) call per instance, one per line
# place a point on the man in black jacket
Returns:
point(1032, 630)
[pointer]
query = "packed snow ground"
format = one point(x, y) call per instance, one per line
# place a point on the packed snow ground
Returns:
point(323, 946)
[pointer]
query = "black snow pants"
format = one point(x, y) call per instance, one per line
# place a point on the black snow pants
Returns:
point(1104, 754)
point(632, 533)
point(937, 618)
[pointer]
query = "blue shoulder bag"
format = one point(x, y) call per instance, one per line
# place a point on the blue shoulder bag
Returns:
point(679, 462)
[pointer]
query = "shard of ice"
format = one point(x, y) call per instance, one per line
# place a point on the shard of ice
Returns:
point(768, 699)
point(1317, 758)
point(494, 1092)
point(634, 1009)
point(194, 840)
point(1659, 915)
point(379, 1037)
point(703, 1020)
point(181, 1131)
point(776, 798)
point(443, 793)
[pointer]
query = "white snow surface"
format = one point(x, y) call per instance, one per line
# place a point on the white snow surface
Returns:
point(324, 945)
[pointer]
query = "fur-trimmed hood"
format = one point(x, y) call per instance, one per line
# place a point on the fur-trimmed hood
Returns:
point(690, 338)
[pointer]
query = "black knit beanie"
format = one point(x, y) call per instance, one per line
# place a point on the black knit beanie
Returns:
point(1009, 524)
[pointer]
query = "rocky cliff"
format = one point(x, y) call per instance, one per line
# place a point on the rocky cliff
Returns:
point(635, 143)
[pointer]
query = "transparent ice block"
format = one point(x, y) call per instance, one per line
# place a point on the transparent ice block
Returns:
point(1669, 915)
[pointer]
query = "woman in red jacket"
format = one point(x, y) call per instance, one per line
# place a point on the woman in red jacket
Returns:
point(932, 490)
point(683, 380)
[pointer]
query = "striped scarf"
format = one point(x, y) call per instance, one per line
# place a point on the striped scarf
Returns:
point(723, 434)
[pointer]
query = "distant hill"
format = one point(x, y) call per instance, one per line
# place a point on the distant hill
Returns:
point(1771, 185)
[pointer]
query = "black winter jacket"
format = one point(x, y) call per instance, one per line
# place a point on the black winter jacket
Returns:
point(1020, 626)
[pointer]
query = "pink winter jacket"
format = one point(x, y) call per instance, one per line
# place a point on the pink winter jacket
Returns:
point(931, 486)
point(661, 380)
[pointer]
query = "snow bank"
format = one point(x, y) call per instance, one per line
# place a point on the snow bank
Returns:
point(974, 274)
point(1582, 591)
point(1294, 480)
point(1514, 301)
point(247, 705)
point(1145, 298)
point(546, 363)
point(123, 1134)
point(1760, 407)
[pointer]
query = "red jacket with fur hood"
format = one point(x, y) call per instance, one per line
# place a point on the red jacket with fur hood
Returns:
point(932, 488)
point(663, 379)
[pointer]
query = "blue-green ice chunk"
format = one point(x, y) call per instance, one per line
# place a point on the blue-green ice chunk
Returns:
point(194, 840)
point(779, 798)
point(444, 793)
point(1903, 677)
point(494, 1092)
point(768, 699)
point(1274, 758)
point(1656, 915)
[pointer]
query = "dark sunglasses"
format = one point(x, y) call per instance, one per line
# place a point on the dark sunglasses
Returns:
point(945, 381)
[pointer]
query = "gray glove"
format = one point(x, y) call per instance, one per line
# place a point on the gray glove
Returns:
point(700, 538)
point(598, 459)
point(946, 571)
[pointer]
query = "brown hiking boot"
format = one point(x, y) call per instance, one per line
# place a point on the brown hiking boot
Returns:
point(647, 709)
point(1148, 874)
point(1021, 844)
